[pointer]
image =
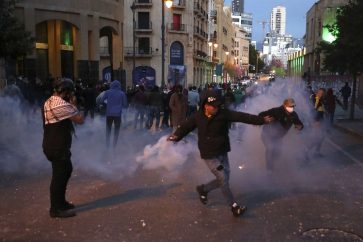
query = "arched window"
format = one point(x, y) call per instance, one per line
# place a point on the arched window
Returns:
point(176, 53)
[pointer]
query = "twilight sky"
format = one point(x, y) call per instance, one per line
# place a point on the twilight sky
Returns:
point(261, 10)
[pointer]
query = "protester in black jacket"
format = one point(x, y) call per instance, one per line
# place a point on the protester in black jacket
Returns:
point(272, 134)
point(213, 142)
point(58, 114)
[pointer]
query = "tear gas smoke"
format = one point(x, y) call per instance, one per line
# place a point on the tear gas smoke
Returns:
point(176, 153)
point(21, 152)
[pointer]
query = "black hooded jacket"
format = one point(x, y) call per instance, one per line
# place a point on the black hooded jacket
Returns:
point(213, 139)
point(282, 122)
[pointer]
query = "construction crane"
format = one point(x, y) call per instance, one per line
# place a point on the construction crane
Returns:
point(264, 23)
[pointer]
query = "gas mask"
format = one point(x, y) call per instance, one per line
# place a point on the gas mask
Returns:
point(289, 109)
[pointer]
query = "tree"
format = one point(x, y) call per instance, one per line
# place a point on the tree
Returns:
point(254, 57)
point(345, 53)
point(14, 40)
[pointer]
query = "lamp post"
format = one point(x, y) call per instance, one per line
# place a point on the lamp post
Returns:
point(133, 7)
point(211, 50)
point(227, 54)
point(168, 4)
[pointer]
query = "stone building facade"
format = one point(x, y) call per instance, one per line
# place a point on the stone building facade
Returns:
point(74, 39)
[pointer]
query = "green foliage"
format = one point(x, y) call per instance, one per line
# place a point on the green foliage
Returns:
point(14, 40)
point(253, 54)
point(279, 71)
point(345, 54)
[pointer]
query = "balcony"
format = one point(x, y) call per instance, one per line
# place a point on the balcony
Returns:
point(213, 14)
point(200, 33)
point(215, 59)
point(144, 27)
point(203, 14)
point(200, 55)
point(198, 9)
point(177, 28)
point(139, 52)
point(179, 4)
point(143, 3)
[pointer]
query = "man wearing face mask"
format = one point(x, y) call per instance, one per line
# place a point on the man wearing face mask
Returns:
point(212, 122)
point(59, 113)
point(272, 134)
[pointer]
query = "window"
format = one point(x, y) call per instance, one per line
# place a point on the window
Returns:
point(177, 21)
point(42, 33)
point(66, 34)
point(144, 45)
point(144, 20)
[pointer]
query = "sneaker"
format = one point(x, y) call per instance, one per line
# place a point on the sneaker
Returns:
point(68, 205)
point(238, 210)
point(58, 213)
point(202, 194)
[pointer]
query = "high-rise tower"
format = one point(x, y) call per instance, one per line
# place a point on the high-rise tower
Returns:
point(278, 20)
point(237, 7)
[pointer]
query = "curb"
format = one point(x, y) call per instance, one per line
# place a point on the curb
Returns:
point(348, 131)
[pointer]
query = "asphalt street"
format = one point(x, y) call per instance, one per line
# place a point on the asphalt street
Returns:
point(317, 201)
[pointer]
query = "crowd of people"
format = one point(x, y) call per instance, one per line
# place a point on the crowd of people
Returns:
point(211, 110)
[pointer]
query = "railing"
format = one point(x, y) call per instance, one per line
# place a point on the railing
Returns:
point(201, 33)
point(143, 2)
point(178, 4)
point(177, 27)
point(144, 26)
point(139, 52)
point(213, 13)
point(200, 55)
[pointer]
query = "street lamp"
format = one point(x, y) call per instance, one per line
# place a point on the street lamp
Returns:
point(215, 45)
point(133, 7)
point(168, 4)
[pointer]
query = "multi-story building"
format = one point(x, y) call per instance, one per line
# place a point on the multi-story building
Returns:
point(75, 39)
point(322, 13)
point(277, 46)
point(241, 50)
point(278, 20)
point(238, 7)
point(224, 31)
point(201, 71)
point(245, 21)
point(186, 35)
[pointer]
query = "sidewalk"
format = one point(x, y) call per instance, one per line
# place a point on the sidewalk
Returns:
point(353, 127)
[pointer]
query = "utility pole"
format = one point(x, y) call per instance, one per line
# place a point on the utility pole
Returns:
point(162, 44)
point(133, 7)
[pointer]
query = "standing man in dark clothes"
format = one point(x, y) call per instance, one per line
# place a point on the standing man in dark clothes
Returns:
point(346, 91)
point(213, 143)
point(166, 109)
point(59, 112)
point(155, 106)
point(272, 134)
point(116, 101)
point(89, 97)
point(140, 101)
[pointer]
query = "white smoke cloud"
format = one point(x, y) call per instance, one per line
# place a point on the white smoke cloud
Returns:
point(21, 149)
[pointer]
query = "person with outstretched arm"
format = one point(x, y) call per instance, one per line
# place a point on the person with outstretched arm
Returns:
point(213, 143)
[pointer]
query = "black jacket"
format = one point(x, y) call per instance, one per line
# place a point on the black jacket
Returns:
point(213, 139)
point(282, 122)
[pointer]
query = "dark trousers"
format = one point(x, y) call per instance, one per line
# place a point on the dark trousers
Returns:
point(61, 172)
point(345, 103)
point(166, 116)
point(91, 110)
point(219, 166)
point(117, 122)
point(191, 110)
point(273, 151)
